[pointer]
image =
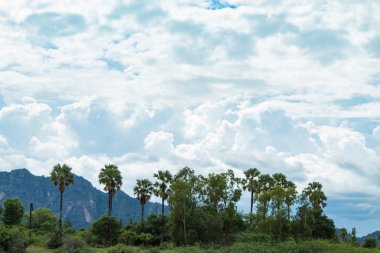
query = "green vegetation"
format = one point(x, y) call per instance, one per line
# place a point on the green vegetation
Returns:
point(203, 217)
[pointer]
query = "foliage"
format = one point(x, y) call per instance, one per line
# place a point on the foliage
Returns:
point(43, 221)
point(369, 243)
point(61, 176)
point(161, 190)
point(120, 248)
point(55, 240)
point(143, 190)
point(100, 229)
point(13, 212)
point(111, 178)
point(72, 244)
point(13, 239)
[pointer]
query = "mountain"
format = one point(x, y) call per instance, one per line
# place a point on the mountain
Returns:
point(82, 203)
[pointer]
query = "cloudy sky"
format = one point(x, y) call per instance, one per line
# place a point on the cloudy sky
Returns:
point(214, 85)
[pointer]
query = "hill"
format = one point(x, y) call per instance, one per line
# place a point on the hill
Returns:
point(82, 203)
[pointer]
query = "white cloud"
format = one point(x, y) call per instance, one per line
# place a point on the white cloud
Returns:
point(164, 85)
point(159, 143)
point(376, 133)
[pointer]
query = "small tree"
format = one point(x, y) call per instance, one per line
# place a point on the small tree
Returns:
point(354, 239)
point(100, 228)
point(370, 243)
point(13, 212)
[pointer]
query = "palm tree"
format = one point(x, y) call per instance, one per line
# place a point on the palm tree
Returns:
point(290, 196)
point(250, 183)
point(111, 178)
point(161, 190)
point(143, 190)
point(316, 196)
point(61, 177)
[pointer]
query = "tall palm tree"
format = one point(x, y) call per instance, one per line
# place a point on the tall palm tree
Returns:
point(143, 190)
point(61, 177)
point(161, 190)
point(250, 183)
point(111, 178)
point(291, 196)
point(316, 196)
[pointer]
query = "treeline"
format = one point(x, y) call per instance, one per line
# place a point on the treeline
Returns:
point(203, 210)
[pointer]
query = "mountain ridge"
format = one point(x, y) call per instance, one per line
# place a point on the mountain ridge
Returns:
point(82, 202)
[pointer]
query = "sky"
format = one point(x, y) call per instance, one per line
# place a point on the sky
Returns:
point(290, 87)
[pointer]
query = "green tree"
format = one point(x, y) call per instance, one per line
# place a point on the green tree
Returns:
point(369, 243)
point(354, 239)
point(250, 184)
point(290, 197)
point(181, 208)
point(13, 212)
point(324, 228)
point(343, 234)
point(265, 185)
point(161, 190)
point(303, 224)
point(316, 196)
point(43, 221)
point(143, 190)
point(100, 229)
point(13, 239)
point(61, 177)
point(219, 194)
point(111, 178)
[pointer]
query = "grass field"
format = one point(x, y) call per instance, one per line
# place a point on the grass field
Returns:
point(286, 247)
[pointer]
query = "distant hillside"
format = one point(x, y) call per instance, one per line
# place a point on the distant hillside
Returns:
point(82, 203)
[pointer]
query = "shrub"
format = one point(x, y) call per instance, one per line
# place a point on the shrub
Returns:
point(72, 244)
point(100, 229)
point(13, 239)
point(120, 248)
point(369, 243)
point(128, 237)
point(55, 240)
point(86, 236)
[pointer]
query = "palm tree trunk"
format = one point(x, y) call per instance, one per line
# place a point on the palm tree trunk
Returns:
point(250, 218)
point(162, 221)
point(142, 213)
point(109, 218)
point(60, 210)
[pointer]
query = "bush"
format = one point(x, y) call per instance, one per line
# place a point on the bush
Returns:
point(128, 237)
point(100, 229)
point(55, 240)
point(369, 243)
point(252, 237)
point(86, 236)
point(120, 248)
point(13, 239)
point(72, 244)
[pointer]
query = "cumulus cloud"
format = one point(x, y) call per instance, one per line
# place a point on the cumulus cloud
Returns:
point(214, 85)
